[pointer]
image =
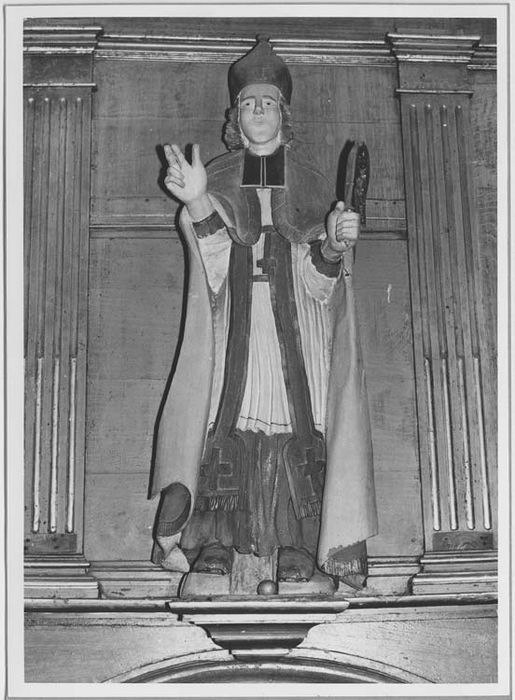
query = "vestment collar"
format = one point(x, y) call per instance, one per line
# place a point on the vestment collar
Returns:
point(263, 171)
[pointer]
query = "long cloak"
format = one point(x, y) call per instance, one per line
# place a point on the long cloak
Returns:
point(348, 508)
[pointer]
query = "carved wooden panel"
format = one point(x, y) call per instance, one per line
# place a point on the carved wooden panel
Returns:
point(456, 405)
point(57, 144)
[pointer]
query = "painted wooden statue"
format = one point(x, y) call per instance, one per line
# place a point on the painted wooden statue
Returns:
point(264, 442)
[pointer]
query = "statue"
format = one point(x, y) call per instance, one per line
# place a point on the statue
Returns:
point(264, 442)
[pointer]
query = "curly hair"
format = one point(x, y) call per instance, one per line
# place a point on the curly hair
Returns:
point(235, 140)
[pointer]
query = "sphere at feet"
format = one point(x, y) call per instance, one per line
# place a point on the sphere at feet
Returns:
point(267, 587)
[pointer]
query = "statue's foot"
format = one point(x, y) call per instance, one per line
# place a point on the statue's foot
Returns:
point(295, 564)
point(214, 559)
point(173, 558)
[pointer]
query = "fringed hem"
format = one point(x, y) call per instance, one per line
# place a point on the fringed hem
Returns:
point(358, 565)
point(310, 509)
point(225, 503)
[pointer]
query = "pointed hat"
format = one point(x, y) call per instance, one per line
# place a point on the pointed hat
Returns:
point(260, 65)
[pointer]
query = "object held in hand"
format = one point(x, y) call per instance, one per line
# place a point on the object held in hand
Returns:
point(361, 179)
point(347, 227)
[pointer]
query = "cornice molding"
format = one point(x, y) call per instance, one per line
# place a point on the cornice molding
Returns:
point(485, 58)
point(60, 57)
point(420, 48)
point(226, 50)
point(89, 39)
point(81, 40)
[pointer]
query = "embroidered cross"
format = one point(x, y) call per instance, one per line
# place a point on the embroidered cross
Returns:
point(268, 265)
point(311, 467)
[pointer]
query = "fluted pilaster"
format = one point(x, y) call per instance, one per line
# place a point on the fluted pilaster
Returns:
point(456, 404)
point(57, 130)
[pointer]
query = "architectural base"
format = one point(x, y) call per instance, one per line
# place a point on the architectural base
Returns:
point(390, 575)
point(436, 573)
point(473, 571)
point(74, 577)
point(59, 576)
point(135, 579)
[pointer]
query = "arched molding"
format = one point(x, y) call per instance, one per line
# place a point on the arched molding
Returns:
point(369, 670)
point(306, 665)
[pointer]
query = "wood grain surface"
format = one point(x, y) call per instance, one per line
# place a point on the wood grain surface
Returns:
point(137, 284)
point(131, 125)
point(136, 266)
point(135, 306)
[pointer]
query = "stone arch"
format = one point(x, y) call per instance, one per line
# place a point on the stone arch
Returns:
point(300, 666)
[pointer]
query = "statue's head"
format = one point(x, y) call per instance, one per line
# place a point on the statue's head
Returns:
point(260, 87)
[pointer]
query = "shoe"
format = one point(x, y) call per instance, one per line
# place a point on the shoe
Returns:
point(172, 557)
point(214, 559)
point(295, 564)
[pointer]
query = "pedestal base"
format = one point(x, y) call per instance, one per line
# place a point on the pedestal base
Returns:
point(247, 573)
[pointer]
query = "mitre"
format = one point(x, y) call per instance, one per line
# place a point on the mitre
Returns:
point(260, 65)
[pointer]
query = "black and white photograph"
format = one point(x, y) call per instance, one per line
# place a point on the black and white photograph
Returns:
point(257, 350)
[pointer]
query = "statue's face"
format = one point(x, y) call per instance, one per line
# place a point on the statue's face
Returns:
point(260, 114)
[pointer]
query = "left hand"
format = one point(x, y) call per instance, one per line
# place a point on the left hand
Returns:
point(342, 230)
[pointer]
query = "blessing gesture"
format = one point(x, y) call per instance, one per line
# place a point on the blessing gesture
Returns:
point(188, 182)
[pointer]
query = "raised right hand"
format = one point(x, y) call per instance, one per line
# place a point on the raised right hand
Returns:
point(186, 182)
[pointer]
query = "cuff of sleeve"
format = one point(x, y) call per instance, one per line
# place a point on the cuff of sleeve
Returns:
point(211, 224)
point(323, 266)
